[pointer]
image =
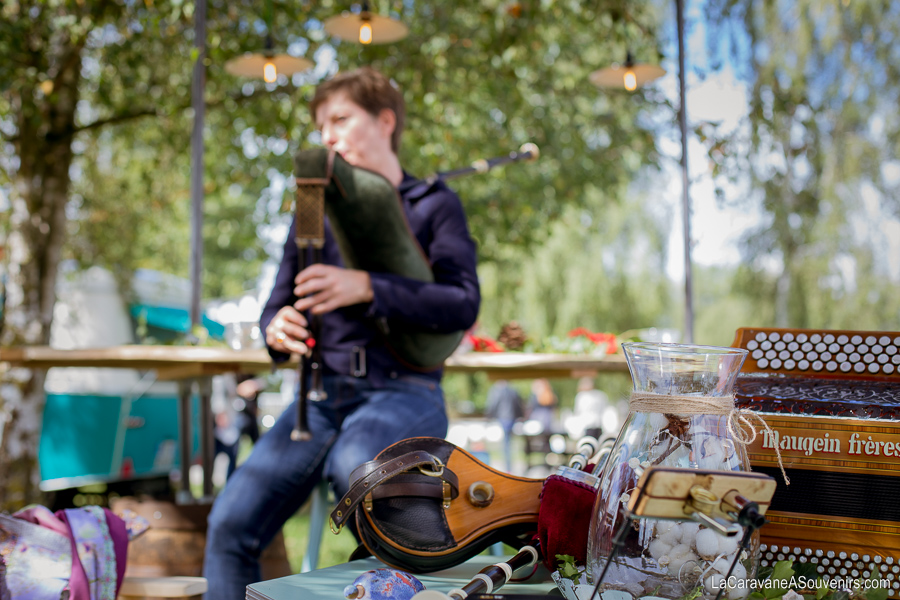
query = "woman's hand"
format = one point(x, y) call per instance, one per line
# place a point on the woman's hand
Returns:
point(323, 288)
point(286, 330)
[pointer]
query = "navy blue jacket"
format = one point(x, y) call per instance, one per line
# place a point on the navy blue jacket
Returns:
point(436, 217)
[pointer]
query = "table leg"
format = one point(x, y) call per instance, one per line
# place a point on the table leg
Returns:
point(207, 434)
point(184, 495)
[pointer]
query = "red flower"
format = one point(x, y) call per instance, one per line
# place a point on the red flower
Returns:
point(609, 339)
point(484, 344)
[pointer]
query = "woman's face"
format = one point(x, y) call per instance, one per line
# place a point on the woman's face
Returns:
point(361, 139)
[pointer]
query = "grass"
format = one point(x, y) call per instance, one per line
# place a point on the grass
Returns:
point(334, 549)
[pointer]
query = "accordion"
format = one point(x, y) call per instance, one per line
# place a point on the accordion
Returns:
point(832, 401)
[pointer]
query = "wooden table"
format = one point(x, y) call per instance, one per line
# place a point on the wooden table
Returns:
point(524, 365)
point(185, 364)
point(170, 362)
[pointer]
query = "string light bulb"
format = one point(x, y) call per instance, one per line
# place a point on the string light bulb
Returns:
point(267, 64)
point(365, 29)
point(270, 73)
point(630, 75)
point(630, 80)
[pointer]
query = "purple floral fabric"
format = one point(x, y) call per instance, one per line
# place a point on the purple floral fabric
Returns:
point(79, 551)
point(93, 544)
point(37, 554)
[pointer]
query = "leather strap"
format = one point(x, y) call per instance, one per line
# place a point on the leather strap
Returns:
point(380, 471)
point(420, 489)
point(367, 468)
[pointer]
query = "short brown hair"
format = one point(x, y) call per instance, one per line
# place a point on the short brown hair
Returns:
point(369, 89)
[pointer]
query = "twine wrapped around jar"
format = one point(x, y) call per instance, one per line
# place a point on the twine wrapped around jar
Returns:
point(738, 418)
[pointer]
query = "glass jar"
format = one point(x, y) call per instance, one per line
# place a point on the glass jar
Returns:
point(679, 410)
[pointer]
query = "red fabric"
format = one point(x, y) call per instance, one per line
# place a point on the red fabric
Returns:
point(564, 517)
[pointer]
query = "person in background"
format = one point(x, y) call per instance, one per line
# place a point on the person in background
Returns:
point(238, 420)
point(373, 399)
point(590, 412)
point(505, 405)
point(542, 404)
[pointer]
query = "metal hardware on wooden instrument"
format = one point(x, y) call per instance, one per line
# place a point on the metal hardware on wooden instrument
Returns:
point(527, 152)
point(480, 494)
point(580, 476)
point(433, 473)
point(586, 449)
point(446, 495)
point(700, 507)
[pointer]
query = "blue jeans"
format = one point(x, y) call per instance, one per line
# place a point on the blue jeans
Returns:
point(350, 427)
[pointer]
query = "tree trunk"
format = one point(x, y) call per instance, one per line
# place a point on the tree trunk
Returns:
point(37, 231)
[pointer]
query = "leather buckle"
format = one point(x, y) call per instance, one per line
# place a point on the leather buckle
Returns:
point(437, 473)
point(358, 361)
point(367, 502)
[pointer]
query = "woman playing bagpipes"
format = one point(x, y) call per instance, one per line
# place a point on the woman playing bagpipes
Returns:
point(372, 398)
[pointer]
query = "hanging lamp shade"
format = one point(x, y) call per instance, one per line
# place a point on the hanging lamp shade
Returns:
point(253, 64)
point(629, 75)
point(365, 27)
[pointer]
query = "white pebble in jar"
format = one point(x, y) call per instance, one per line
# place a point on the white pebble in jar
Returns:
point(737, 592)
point(659, 548)
point(689, 533)
point(707, 543)
point(713, 583)
point(728, 545)
point(672, 536)
point(739, 571)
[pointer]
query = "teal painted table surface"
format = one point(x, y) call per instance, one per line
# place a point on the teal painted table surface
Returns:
point(329, 583)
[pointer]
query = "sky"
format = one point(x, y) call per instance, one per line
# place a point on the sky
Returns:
point(721, 96)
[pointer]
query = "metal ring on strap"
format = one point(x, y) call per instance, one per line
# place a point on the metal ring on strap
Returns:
point(429, 473)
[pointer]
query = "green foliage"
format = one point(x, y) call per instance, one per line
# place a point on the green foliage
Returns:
point(568, 569)
point(693, 594)
point(480, 79)
point(601, 267)
point(786, 579)
point(813, 154)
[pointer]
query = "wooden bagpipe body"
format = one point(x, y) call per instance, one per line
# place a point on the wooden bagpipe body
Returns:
point(832, 401)
point(424, 504)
